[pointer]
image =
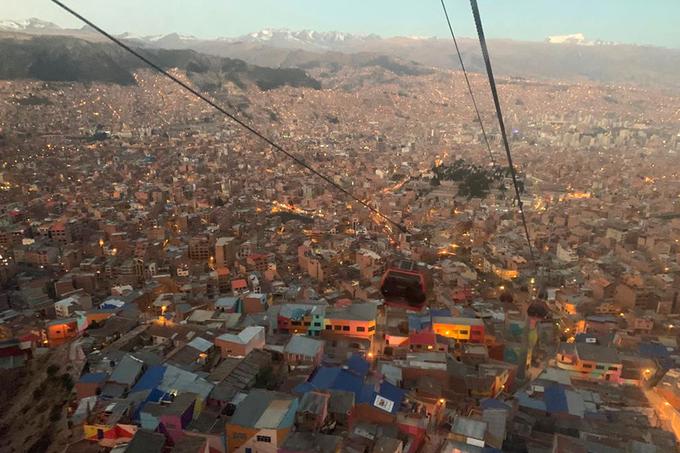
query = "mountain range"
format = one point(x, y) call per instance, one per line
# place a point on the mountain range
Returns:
point(71, 59)
point(569, 58)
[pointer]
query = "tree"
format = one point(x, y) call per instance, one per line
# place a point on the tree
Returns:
point(266, 378)
point(67, 381)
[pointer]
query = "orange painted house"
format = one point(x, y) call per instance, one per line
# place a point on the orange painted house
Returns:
point(60, 331)
point(591, 362)
point(356, 320)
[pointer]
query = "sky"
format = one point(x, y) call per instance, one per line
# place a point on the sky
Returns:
point(647, 22)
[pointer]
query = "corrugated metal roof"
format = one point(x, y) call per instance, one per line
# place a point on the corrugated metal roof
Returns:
point(469, 427)
point(575, 403)
point(496, 420)
point(127, 370)
point(305, 346)
point(201, 344)
point(531, 403)
point(262, 409)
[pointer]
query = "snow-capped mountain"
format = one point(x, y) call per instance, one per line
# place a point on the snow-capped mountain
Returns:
point(306, 39)
point(281, 38)
point(27, 25)
point(577, 38)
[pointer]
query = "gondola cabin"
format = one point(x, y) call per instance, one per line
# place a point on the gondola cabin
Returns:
point(405, 285)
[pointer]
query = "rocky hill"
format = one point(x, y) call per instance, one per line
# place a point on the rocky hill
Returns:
point(65, 58)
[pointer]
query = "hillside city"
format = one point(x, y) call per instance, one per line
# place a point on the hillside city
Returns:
point(171, 283)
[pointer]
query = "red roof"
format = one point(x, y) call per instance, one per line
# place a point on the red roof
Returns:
point(424, 337)
point(11, 350)
point(239, 284)
point(222, 271)
point(257, 256)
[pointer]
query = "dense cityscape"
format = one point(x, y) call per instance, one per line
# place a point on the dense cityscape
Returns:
point(169, 282)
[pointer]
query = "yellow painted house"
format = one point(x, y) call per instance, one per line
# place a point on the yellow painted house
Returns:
point(461, 329)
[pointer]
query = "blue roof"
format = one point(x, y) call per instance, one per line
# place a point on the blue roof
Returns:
point(392, 392)
point(333, 378)
point(555, 399)
point(653, 350)
point(438, 312)
point(298, 313)
point(367, 394)
point(386, 390)
point(348, 381)
point(602, 318)
point(324, 377)
point(227, 302)
point(151, 379)
point(358, 364)
point(532, 403)
point(303, 388)
point(91, 378)
point(419, 322)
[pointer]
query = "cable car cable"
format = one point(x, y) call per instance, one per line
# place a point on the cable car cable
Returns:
point(467, 82)
point(499, 114)
point(241, 123)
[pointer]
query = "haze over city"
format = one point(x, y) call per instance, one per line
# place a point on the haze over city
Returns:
point(296, 227)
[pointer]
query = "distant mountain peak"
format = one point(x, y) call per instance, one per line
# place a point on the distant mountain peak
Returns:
point(575, 38)
point(578, 39)
point(311, 39)
point(31, 24)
